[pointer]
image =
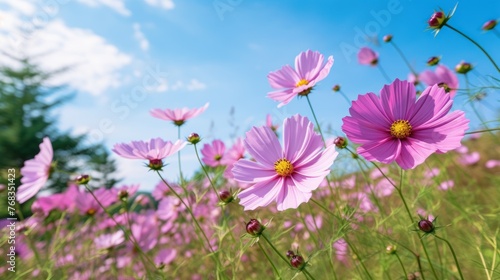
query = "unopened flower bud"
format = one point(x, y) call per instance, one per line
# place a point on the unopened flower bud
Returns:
point(387, 38)
point(83, 179)
point(490, 24)
point(445, 86)
point(426, 226)
point(437, 20)
point(297, 261)
point(194, 138)
point(463, 67)
point(340, 142)
point(255, 228)
point(336, 88)
point(391, 249)
point(433, 61)
point(290, 254)
point(226, 196)
point(155, 164)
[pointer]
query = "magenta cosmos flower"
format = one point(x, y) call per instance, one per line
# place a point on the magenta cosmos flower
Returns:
point(367, 56)
point(35, 172)
point(213, 153)
point(178, 116)
point(288, 175)
point(291, 82)
point(398, 127)
point(155, 150)
point(443, 77)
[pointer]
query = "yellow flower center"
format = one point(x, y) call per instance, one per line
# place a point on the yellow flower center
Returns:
point(302, 82)
point(91, 212)
point(283, 167)
point(401, 129)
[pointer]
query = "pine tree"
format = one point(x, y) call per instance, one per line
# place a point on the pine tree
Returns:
point(26, 116)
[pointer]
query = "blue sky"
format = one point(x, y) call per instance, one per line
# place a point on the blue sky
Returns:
point(221, 52)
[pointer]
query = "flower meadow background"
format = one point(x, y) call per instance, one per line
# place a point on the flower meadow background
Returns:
point(369, 157)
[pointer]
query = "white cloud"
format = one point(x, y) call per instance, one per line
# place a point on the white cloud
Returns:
point(194, 84)
point(94, 63)
point(24, 7)
point(139, 36)
point(165, 4)
point(116, 5)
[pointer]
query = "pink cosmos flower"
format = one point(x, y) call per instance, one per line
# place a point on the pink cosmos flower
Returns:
point(236, 152)
point(446, 185)
point(492, 163)
point(291, 82)
point(367, 56)
point(178, 116)
point(286, 175)
point(109, 240)
point(213, 153)
point(341, 250)
point(269, 123)
point(398, 127)
point(35, 172)
point(443, 77)
point(469, 159)
point(155, 150)
point(165, 256)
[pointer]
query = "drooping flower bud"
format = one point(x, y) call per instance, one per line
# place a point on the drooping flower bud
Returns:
point(255, 228)
point(193, 138)
point(490, 24)
point(437, 20)
point(297, 261)
point(387, 38)
point(83, 179)
point(226, 196)
point(155, 164)
point(463, 67)
point(340, 142)
point(391, 249)
point(433, 60)
point(426, 226)
point(336, 88)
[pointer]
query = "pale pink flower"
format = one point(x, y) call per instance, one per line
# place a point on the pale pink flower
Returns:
point(399, 127)
point(291, 82)
point(269, 123)
point(492, 163)
point(165, 257)
point(286, 175)
point(155, 149)
point(213, 153)
point(367, 56)
point(446, 185)
point(442, 77)
point(469, 159)
point(341, 250)
point(178, 116)
point(110, 240)
point(235, 153)
point(35, 172)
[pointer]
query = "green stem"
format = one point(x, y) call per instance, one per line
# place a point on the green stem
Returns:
point(179, 157)
point(413, 221)
point(401, 263)
point(454, 256)
point(404, 58)
point(384, 73)
point(270, 261)
point(197, 225)
point(357, 256)
point(206, 173)
point(283, 258)
point(324, 208)
point(316, 120)
point(483, 130)
point(128, 236)
point(475, 43)
point(345, 97)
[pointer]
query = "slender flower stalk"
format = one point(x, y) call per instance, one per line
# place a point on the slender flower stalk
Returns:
point(276, 272)
point(404, 58)
point(197, 225)
point(316, 120)
point(475, 43)
point(454, 255)
point(128, 236)
point(206, 172)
